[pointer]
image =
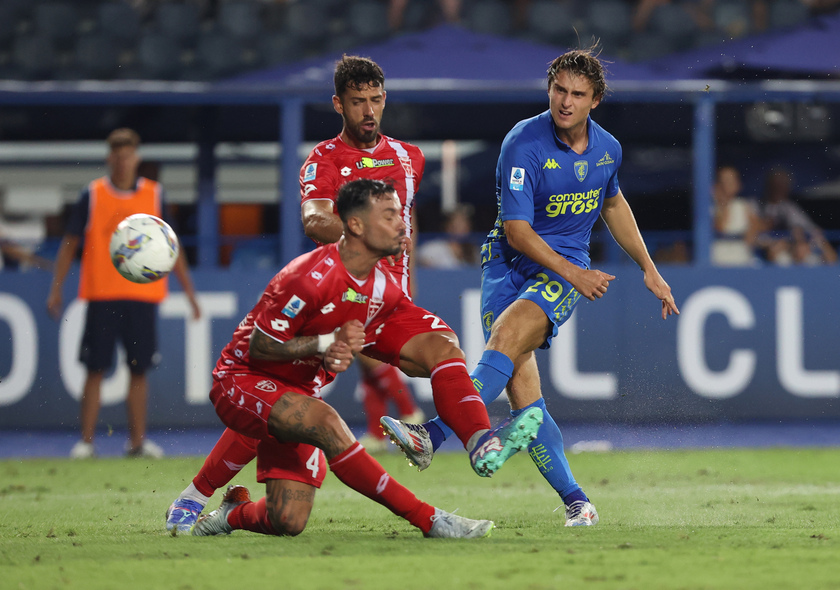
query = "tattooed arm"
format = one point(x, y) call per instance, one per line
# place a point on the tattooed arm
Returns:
point(264, 348)
point(349, 340)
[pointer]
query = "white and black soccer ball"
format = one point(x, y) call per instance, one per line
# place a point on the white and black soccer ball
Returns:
point(144, 248)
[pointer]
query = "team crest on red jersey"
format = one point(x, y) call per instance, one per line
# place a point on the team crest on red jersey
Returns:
point(266, 385)
point(374, 306)
point(406, 164)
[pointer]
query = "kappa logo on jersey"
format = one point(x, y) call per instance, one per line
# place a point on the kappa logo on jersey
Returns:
point(551, 164)
point(581, 168)
point(374, 307)
point(309, 173)
point(346, 171)
point(407, 167)
point(328, 308)
point(374, 163)
point(517, 179)
point(308, 189)
point(353, 297)
point(607, 159)
point(266, 385)
point(294, 305)
point(279, 325)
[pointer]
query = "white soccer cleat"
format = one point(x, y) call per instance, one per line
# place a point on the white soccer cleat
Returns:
point(412, 439)
point(216, 522)
point(82, 450)
point(446, 525)
point(581, 513)
point(147, 450)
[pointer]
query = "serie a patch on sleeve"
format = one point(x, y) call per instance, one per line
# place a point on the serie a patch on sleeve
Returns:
point(309, 173)
point(517, 179)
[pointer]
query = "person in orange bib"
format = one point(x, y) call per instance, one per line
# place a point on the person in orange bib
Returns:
point(117, 309)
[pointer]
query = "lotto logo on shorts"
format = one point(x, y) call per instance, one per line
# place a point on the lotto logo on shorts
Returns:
point(266, 386)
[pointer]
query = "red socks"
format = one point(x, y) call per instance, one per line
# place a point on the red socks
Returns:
point(358, 470)
point(375, 403)
point(381, 384)
point(230, 454)
point(251, 516)
point(456, 400)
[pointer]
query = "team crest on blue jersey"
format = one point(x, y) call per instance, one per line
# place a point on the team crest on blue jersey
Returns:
point(581, 168)
point(294, 305)
point(517, 179)
point(309, 173)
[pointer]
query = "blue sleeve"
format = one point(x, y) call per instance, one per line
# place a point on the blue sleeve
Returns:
point(518, 175)
point(78, 218)
point(612, 183)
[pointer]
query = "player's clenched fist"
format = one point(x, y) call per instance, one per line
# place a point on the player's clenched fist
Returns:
point(353, 334)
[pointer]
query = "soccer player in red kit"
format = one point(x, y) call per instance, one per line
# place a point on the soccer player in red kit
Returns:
point(359, 151)
point(315, 315)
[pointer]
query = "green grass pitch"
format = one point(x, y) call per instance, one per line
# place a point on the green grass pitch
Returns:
point(669, 519)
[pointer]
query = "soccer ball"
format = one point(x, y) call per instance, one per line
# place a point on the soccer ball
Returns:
point(143, 248)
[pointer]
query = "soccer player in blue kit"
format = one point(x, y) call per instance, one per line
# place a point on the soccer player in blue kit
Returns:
point(556, 173)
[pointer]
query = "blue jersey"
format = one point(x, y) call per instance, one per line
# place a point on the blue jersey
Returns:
point(539, 179)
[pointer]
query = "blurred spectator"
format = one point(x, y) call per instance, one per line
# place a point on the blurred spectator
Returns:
point(23, 257)
point(788, 235)
point(454, 249)
point(736, 221)
point(700, 12)
point(450, 9)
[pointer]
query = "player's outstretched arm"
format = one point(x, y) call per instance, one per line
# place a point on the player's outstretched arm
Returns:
point(622, 225)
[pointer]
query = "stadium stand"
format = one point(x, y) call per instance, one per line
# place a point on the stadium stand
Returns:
point(172, 40)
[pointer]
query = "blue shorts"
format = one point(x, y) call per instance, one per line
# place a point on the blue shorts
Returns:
point(503, 283)
point(134, 323)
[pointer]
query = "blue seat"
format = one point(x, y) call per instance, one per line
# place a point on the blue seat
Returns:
point(489, 16)
point(96, 57)
point(57, 21)
point(279, 48)
point(367, 19)
point(552, 22)
point(158, 57)
point(240, 20)
point(788, 13)
point(307, 22)
point(610, 21)
point(120, 22)
point(218, 55)
point(180, 22)
point(34, 57)
point(673, 23)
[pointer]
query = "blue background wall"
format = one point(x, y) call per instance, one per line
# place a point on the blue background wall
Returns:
point(750, 344)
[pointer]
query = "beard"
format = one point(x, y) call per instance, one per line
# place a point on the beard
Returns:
point(361, 135)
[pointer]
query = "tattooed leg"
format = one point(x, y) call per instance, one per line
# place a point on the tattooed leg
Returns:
point(303, 419)
point(289, 504)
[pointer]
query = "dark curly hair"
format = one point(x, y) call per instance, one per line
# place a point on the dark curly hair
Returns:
point(581, 62)
point(355, 72)
point(357, 195)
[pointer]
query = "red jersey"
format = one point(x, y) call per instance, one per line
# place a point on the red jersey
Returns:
point(314, 294)
point(333, 163)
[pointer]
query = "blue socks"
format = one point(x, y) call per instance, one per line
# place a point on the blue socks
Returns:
point(547, 453)
point(490, 378)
